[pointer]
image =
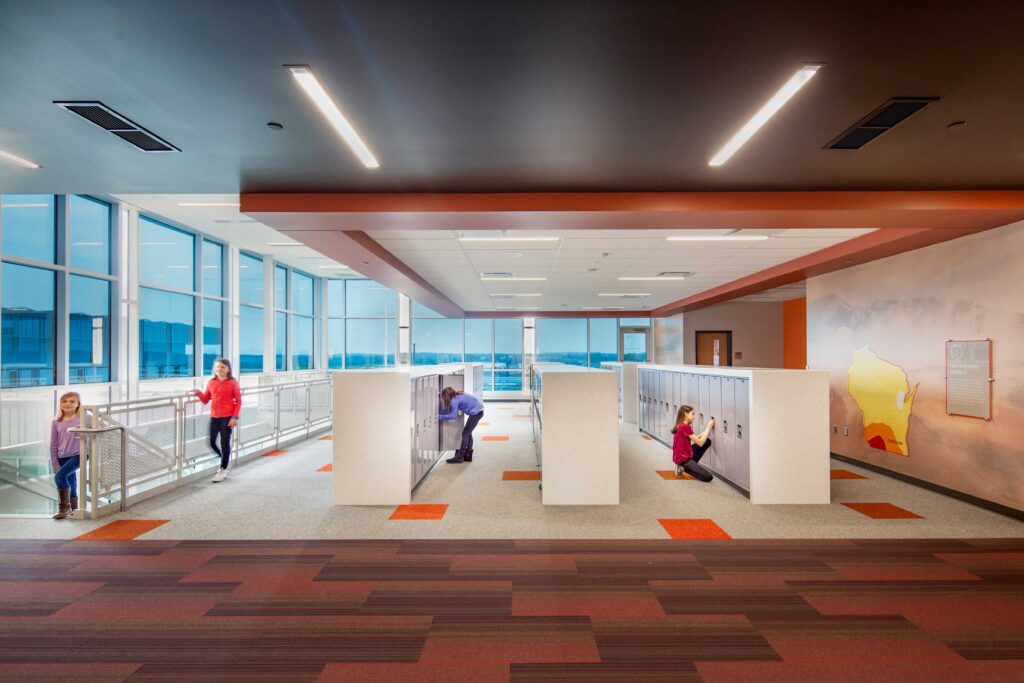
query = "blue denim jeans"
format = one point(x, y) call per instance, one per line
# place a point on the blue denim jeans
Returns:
point(65, 477)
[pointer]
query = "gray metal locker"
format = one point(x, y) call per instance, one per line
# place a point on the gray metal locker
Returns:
point(669, 383)
point(691, 392)
point(677, 395)
point(714, 412)
point(449, 432)
point(704, 401)
point(641, 389)
point(656, 411)
point(741, 442)
point(725, 429)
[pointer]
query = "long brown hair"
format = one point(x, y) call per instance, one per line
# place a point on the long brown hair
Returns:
point(447, 394)
point(60, 411)
point(681, 415)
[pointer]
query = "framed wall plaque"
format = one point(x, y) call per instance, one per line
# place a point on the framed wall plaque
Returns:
point(969, 378)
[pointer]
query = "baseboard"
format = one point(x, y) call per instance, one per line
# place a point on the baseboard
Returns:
point(952, 493)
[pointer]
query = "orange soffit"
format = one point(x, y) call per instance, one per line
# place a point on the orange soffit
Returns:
point(419, 512)
point(122, 530)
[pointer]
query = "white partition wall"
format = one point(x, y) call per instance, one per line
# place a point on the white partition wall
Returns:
point(770, 438)
point(577, 434)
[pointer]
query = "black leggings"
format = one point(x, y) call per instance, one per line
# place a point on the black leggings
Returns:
point(693, 467)
point(467, 431)
point(219, 426)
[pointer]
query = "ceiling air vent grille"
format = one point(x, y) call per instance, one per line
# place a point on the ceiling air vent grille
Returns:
point(672, 273)
point(886, 117)
point(498, 274)
point(109, 120)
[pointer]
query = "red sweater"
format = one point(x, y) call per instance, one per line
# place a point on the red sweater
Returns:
point(682, 450)
point(227, 397)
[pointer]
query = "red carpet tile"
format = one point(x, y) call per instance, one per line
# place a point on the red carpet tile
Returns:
point(274, 454)
point(122, 530)
point(521, 610)
point(882, 511)
point(421, 511)
point(520, 475)
point(671, 475)
point(686, 529)
point(495, 438)
point(329, 467)
point(327, 438)
point(844, 474)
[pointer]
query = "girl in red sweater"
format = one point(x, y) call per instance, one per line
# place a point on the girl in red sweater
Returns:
point(227, 403)
point(688, 448)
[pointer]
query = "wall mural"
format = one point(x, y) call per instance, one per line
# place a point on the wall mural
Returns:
point(884, 396)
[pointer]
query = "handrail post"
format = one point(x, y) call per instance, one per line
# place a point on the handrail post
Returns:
point(124, 468)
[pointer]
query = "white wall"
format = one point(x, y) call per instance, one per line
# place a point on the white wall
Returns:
point(756, 328)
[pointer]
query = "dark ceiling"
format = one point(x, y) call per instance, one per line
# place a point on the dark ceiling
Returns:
point(509, 96)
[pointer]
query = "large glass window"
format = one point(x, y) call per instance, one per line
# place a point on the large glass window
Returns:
point(369, 299)
point(336, 298)
point(90, 234)
point(280, 340)
point(302, 343)
point(166, 334)
point(88, 330)
point(604, 341)
point(280, 287)
point(250, 280)
point(436, 340)
point(213, 333)
point(370, 343)
point(250, 339)
point(166, 256)
point(213, 268)
point(508, 354)
point(562, 340)
point(335, 343)
point(29, 325)
point(421, 311)
point(635, 322)
point(30, 226)
point(302, 294)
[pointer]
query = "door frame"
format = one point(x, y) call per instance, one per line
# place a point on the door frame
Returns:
point(630, 330)
point(728, 345)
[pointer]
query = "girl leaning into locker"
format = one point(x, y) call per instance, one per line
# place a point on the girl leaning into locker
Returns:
point(227, 403)
point(688, 448)
point(452, 401)
point(65, 452)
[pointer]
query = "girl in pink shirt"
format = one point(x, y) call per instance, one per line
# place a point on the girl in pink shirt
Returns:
point(688, 448)
point(64, 452)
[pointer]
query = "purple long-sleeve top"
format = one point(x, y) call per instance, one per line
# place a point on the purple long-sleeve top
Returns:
point(63, 444)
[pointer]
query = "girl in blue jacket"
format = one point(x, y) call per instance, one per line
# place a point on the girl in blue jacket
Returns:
point(452, 401)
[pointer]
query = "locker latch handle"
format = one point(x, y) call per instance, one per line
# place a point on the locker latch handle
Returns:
point(739, 431)
point(725, 426)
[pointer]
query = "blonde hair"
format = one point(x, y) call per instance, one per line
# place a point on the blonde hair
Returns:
point(60, 412)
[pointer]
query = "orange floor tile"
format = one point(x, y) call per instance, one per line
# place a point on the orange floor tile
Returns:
point(845, 474)
point(274, 454)
point(671, 475)
point(329, 467)
point(420, 511)
point(689, 529)
point(327, 438)
point(495, 438)
point(520, 475)
point(122, 530)
point(484, 424)
point(647, 437)
point(882, 511)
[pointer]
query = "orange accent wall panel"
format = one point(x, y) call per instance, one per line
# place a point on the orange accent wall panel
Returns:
point(794, 334)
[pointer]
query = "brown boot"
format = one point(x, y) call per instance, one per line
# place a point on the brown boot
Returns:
point(74, 503)
point(65, 504)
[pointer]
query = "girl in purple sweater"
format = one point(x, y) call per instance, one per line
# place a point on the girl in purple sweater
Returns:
point(64, 452)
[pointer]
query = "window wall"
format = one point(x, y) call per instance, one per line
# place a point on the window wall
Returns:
point(250, 313)
point(335, 324)
point(562, 340)
point(371, 324)
point(57, 284)
point(433, 338)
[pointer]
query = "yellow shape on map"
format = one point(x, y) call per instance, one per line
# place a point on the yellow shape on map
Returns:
point(883, 394)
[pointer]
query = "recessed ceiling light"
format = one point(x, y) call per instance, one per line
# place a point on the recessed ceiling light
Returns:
point(604, 308)
point(208, 204)
point(513, 279)
point(334, 267)
point(509, 239)
point(19, 161)
point(308, 80)
point(792, 86)
point(517, 295)
point(518, 308)
point(630, 294)
point(716, 238)
point(652, 278)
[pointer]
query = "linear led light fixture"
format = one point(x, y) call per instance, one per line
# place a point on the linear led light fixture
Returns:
point(717, 238)
point(334, 267)
point(19, 161)
point(604, 308)
point(25, 206)
point(626, 293)
point(513, 279)
point(767, 111)
point(509, 239)
point(518, 308)
point(308, 81)
point(285, 244)
point(208, 204)
point(516, 295)
point(654, 277)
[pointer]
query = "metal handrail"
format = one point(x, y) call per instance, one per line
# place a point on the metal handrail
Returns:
point(124, 458)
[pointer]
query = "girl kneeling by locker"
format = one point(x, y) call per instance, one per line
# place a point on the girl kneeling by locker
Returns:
point(688, 448)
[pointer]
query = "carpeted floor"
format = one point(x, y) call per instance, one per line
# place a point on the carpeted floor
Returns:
point(521, 610)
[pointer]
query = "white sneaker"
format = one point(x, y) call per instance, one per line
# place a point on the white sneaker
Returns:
point(221, 475)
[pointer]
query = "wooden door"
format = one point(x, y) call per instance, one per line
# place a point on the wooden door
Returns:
point(706, 347)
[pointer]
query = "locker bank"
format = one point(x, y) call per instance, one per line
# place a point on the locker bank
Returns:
point(345, 340)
